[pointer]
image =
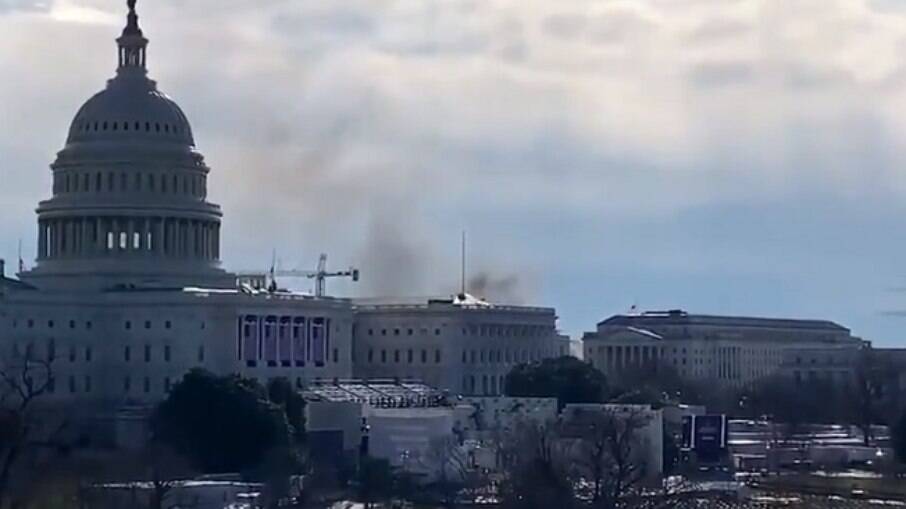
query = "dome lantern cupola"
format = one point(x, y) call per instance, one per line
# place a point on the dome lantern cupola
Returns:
point(132, 44)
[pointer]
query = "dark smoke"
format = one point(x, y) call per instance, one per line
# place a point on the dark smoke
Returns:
point(508, 289)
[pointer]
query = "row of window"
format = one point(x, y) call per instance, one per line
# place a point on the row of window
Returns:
point(127, 325)
point(409, 332)
point(136, 126)
point(478, 330)
point(98, 182)
point(30, 323)
point(503, 356)
point(410, 356)
point(88, 353)
point(86, 385)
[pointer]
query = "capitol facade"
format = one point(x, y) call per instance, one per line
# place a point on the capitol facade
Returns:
point(128, 293)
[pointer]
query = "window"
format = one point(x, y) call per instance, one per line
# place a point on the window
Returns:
point(147, 324)
point(147, 353)
point(437, 332)
point(87, 383)
point(371, 332)
point(147, 385)
point(383, 356)
point(127, 354)
point(370, 355)
point(410, 331)
point(336, 355)
point(437, 356)
point(167, 353)
point(50, 324)
point(424, 356)
point(88, 354)
point(201, 353)
point(409, 356)
point(72, 354)
point(72, 387)
point(128, 325)
point(167, 384)
point(167, 324)
point(127, 384)
point(396, 332)
point(396, 356)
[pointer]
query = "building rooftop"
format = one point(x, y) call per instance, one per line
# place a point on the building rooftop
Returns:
point(459, 301)
point(680, 317)
point(380, 393)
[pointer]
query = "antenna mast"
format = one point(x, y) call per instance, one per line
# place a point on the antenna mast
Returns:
point(463, 272)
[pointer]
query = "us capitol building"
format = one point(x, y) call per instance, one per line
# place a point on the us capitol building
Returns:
point(128, 292)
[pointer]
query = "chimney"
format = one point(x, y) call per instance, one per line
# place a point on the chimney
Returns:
point(2, 267)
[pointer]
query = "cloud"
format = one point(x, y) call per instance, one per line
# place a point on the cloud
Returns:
point(377, 130)
point(7, 6)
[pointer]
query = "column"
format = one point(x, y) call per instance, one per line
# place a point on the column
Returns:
point(161, 232)
point(130, 235)
point(180, 239)
point(101, 235)
point(115, 233)
point(40, 240)
point(206, 241)
point(193, 232)
point(83, 236)
point(147, 243)
point(217, 241)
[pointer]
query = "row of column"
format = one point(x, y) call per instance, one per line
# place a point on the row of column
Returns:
point(92, 236)
point(621, 357)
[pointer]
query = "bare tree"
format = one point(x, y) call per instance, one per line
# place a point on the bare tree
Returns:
point(609, 461)
point(534, 468)
point(455, 467)
point(24, 379)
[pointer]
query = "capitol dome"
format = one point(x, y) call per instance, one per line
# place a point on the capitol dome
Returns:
point(130, 108)
point(129, 203)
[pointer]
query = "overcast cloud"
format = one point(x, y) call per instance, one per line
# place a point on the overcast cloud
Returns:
point(725, 156)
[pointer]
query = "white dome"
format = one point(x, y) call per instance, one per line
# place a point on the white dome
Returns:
point(130, 108)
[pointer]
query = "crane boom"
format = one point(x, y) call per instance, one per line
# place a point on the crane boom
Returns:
point(320, 275)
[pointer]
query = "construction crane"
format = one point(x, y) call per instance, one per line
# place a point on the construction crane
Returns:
point(320, 275)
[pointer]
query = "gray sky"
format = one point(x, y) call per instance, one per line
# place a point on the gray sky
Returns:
point(722, 156)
